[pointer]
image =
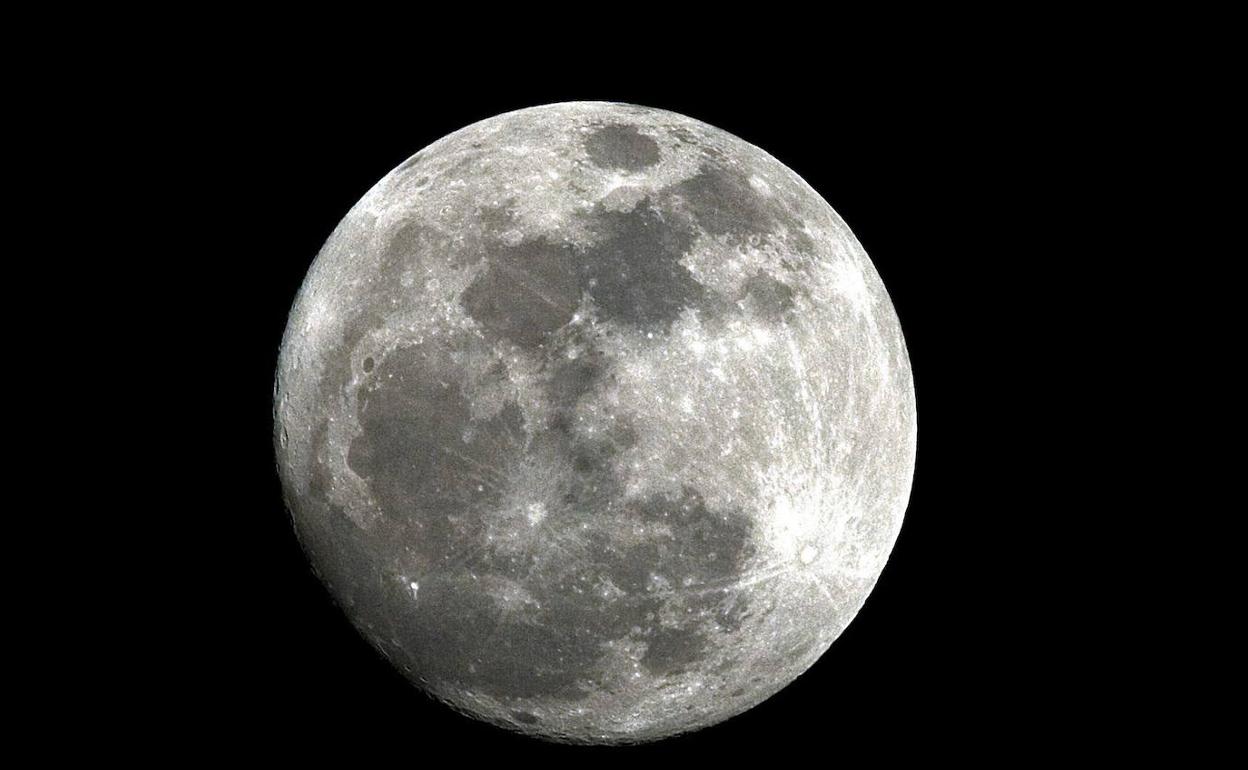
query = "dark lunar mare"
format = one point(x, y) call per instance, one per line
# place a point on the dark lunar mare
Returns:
point(622, 146)
point(437, 474)
point(633, 271)
point(632, 274)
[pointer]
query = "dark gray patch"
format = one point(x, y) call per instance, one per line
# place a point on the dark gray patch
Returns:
point(341, 552)
point(496, 219)
point(593, 488)
point(622, 147)
point(424, 457)
point(630, 569)
point(555, 650)
point(526, 294)
point(524, 717)
point(770, 298)
point(721, 200)
point(672, 650)
point(527, 659)
point(452, 631)
point(406, 246)
point(582, 623)
point(592, 457)
point(634, 273)
point(339, 549)
point(573, 378)
point(706, 546)
point(455, 633)
point(416, 451)
point(447, 628)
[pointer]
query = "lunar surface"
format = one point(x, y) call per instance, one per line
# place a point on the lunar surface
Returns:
point(597, 421)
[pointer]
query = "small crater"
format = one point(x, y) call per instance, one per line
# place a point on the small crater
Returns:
point(368, 364)
point(524, 717)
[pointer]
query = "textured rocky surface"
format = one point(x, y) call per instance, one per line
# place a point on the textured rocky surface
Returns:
point(597, 421)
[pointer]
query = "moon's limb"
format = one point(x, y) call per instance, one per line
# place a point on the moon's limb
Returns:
point(597, 421)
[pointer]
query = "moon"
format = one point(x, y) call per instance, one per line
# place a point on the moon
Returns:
point(597, 421)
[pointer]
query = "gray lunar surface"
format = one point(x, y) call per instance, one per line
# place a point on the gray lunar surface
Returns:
point(597, 421)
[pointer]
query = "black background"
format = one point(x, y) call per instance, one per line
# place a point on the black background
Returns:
point(925, 169)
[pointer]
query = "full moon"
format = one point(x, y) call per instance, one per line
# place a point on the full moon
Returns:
point(597, 421)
